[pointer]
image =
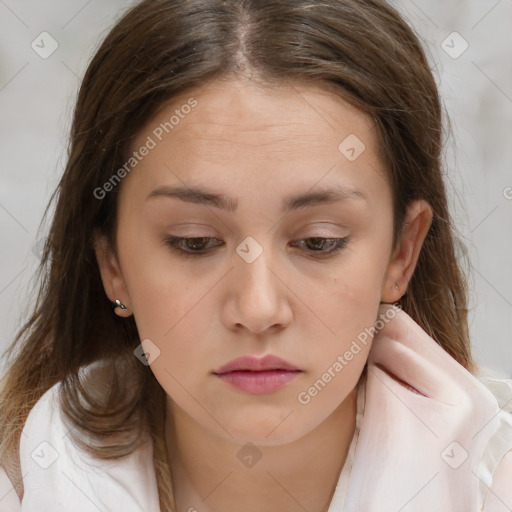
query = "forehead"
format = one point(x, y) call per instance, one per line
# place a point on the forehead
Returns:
point(239, 109)
point(238, 129)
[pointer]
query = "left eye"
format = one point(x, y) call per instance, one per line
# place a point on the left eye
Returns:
point(318, 245)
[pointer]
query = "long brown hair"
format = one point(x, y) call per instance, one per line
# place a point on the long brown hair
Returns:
point(361, 50)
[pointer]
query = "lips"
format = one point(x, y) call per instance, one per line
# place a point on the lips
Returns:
point(258, 376)
point(254, 364)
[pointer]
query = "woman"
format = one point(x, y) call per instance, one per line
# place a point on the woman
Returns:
point(251, 294)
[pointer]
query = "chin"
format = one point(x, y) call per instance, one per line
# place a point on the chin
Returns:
point(264, 429)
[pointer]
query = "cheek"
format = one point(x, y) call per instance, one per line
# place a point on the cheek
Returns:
point(155, 283)
point(342, 350)
point(173, 309)
point(346, 306)
point(329, 387)
point(180, 334)
point(349, 295)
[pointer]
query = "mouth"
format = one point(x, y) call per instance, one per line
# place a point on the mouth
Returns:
point(258, 375)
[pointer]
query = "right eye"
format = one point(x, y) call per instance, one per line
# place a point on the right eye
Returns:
point(191, 246)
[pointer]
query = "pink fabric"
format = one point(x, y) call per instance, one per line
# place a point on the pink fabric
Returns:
point(421, 452)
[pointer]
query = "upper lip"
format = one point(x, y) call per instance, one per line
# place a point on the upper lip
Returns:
point(250, 363)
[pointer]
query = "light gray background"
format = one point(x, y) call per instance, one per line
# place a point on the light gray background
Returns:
point(37, 96)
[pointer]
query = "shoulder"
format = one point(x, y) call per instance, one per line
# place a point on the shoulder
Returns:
point(496, 466)
point(58, 475)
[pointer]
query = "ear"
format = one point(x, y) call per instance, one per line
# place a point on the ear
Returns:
point(111, 275)
point(403, 262)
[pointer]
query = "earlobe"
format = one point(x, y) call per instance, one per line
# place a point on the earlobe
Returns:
point(401, 268)
point(120, 309)
point(111, 276)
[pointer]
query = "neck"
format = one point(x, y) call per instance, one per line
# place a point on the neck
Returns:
point(208, 475)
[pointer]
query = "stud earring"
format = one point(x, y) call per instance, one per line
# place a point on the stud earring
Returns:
point(397, 287)
point(118, 304)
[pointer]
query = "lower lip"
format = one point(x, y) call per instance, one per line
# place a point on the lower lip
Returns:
point(259, 383)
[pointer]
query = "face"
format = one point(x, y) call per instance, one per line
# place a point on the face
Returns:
point(289, 225)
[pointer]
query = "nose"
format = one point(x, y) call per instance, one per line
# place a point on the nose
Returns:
point(258, 297)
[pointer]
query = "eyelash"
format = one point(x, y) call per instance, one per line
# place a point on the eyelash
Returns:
point(174, 243)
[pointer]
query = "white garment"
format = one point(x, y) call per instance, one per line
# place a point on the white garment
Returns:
point(74, 481)
point(445, 449)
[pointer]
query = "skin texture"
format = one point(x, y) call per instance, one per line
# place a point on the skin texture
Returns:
point(257, 146)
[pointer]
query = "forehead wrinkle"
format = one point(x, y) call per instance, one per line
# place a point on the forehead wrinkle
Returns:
point(295, 141)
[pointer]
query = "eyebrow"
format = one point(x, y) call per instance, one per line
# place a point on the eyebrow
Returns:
point(290, 203)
